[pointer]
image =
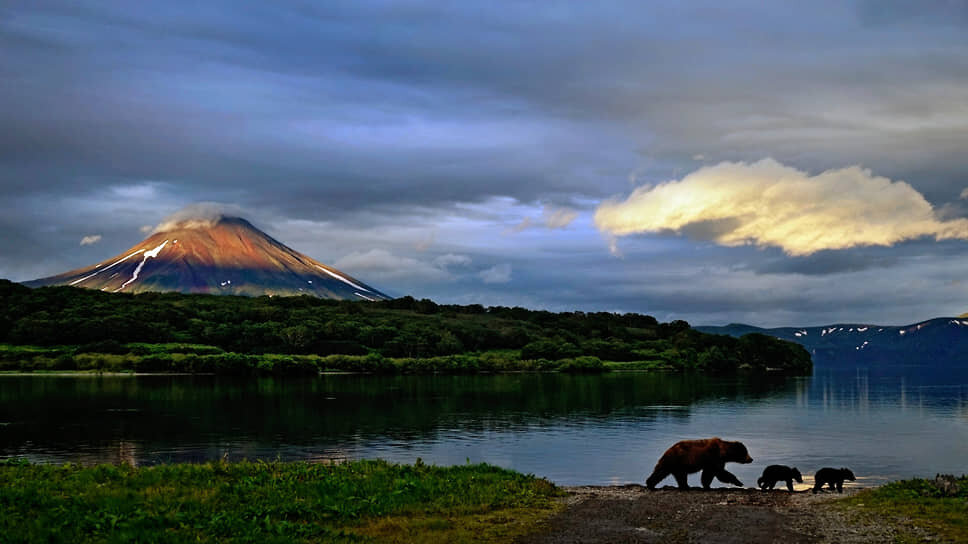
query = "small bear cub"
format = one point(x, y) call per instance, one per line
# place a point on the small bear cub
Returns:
point(775, 473)
point(834, 477)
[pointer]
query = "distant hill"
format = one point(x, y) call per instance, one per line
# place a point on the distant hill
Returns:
point(222, 256)
point(940, 341)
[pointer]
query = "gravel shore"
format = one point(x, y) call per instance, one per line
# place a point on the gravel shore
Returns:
point(633, 514)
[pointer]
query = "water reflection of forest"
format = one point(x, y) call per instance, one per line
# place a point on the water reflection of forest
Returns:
point(195, 418)
point(159, 411)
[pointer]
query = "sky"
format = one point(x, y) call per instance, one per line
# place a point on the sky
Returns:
point(770, 163)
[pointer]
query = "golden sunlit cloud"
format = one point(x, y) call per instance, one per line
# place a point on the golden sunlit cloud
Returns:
point(769, 204)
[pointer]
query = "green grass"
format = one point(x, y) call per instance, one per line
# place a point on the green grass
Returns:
point(652, 365)
point(195, 358)
point(112, 356)
point(916, 505)
point(359, 501)
point(198, 358)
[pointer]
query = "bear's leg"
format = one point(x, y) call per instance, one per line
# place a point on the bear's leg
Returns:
point(840, 486)
point(727, 477)
point(832, 485)
point(707, 477)
point(658, 475)
point(818, 486)
point(790, 485)
point(681, 479)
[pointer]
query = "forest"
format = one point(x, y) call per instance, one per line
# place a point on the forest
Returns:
point(66, 328)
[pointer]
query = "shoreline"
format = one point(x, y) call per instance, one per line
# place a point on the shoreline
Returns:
point(606, 370)
point(482, 503)
point(631, 513)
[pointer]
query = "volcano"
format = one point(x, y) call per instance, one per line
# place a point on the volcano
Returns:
point(225, 256)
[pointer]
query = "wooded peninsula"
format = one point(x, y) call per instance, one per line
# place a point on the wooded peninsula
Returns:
point(72, 329)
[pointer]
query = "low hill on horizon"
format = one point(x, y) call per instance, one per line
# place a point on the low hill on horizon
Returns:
point(938, 341)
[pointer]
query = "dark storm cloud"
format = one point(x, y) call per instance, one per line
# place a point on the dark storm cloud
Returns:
point(452, 104)
point(347, 127)
point(698, 288)
point(825, 262)
point(345, 107)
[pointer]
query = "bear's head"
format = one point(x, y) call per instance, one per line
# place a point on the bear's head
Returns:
point(797, 476)
point(847, 474)
point(734, 452)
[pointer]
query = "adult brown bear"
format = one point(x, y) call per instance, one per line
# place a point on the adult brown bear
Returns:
point(709, 455)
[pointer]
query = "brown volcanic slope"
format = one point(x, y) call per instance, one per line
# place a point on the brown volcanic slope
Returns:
point(227, 256)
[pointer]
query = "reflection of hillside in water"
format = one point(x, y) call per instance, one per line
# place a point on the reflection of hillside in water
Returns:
point(196, 418)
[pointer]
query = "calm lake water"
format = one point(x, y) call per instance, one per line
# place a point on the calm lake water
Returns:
point(884, 423)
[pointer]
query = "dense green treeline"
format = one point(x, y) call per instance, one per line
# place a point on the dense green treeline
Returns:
point(85, 329)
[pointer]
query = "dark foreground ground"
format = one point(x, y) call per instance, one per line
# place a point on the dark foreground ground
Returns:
point(742, 516)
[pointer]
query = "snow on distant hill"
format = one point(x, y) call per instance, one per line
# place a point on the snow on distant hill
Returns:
point(943, 340)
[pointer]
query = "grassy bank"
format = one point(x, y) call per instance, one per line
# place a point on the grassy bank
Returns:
point(269, 502)
point(938, 507)
point(199, 358)
point(193, 358)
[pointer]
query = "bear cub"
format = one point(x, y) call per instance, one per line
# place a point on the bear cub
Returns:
point(708, 456)
point(776, 473)
point(834, 477)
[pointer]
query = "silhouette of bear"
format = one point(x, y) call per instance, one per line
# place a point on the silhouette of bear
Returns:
point(708, 455)
point(777, 473)
point(834, 477)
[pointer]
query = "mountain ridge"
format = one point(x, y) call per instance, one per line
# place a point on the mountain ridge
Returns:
point(941, 340)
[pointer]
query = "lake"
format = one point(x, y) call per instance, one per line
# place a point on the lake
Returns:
point(884, 423)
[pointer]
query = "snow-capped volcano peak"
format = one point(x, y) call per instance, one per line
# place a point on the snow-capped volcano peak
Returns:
point(215, 254)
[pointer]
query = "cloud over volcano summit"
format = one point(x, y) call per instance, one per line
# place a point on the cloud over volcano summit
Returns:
point(200, 215)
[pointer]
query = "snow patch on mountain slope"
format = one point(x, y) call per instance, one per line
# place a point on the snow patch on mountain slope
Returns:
point(148, 255)
point(103, 269)
point(344, 280)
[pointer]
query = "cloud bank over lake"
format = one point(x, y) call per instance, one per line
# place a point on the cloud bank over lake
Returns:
point(768, 204)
